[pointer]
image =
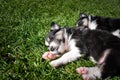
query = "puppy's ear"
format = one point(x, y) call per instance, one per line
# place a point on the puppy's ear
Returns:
point(83, 15)
point(92, 17)
point(54, 26)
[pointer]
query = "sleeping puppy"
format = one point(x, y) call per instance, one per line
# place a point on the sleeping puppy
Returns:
point(97, 22)
point(72, 43)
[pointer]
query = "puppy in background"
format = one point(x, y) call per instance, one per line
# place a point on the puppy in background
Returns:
point(69, 44)
point(97, 22)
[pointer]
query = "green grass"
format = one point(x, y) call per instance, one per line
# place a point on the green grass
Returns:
point(23, 26)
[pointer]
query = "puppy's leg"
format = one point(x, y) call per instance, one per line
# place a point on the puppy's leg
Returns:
point(99, 71)
point(50, 56)
point(89, 73)
point(67, 57)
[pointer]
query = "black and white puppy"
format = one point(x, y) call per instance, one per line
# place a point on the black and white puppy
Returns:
point(97, 22)
point(59, 41)
point(102, 47)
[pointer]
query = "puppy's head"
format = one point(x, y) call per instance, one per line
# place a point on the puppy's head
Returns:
point(55, 40)
point(83, 21)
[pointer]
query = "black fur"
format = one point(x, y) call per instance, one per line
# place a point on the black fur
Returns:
point(103, 23)
point(109, 24)
point(94, 43)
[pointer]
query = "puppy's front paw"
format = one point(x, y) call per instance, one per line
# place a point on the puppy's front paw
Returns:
point(50, 56)
point(54, 63)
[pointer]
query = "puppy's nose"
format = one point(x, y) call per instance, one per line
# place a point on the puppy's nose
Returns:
point(52, 48)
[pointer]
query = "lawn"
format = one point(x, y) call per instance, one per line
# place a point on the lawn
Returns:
point(23, 26)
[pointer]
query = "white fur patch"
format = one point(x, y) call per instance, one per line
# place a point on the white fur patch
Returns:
point(55, 27)
point(92, 59)
point(92, 24)
point(85, 22)
point(116, 33)
point(82, 15)
point(105, 54)
point(46, 43)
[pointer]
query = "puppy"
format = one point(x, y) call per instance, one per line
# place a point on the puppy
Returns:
point(72, 43)
point(59, 41)
point(97, 22)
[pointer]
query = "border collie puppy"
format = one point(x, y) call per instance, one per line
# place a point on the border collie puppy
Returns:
point(97, 22)
point(72, 43)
